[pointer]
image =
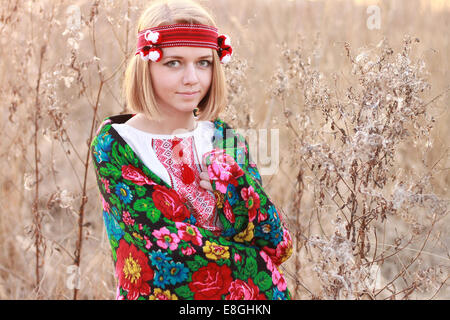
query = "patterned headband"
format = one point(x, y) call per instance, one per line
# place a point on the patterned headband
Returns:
point(151, 40)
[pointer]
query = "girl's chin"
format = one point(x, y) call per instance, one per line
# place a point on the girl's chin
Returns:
point(186, 110)
point(186, 106)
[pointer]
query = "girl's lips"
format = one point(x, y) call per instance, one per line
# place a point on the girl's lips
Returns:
point(187, 94)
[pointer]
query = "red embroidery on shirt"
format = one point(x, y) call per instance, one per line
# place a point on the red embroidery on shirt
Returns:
point(176, 155)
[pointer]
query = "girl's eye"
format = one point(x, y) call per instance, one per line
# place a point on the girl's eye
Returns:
point(208, 63)
point(170, 63)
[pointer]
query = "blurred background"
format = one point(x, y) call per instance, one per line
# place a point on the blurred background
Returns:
point(62, 64)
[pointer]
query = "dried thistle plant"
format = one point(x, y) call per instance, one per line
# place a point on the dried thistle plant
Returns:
point(349, 141)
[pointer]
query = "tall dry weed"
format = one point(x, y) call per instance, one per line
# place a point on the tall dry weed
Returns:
point(348, 143)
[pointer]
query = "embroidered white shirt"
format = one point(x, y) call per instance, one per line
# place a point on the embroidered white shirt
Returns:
point(195, 144)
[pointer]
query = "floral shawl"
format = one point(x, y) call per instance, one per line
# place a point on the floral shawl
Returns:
point(158, 250)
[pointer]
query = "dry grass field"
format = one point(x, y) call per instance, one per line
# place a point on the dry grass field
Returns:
point(359, 91)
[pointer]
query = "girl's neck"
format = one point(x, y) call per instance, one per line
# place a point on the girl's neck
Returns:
point(164, 126)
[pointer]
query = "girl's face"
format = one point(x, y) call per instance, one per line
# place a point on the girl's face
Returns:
point(181, 70)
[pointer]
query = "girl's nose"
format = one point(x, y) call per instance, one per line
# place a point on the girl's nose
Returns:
point(190, 74)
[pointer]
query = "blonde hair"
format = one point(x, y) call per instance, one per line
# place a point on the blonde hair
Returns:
point(137, 84)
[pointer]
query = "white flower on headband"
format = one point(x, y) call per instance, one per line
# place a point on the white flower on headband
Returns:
point(225, 50)
point(151, 36)
point(144, 56)
point(227, 40)
point(154, 55)
point(226, 58)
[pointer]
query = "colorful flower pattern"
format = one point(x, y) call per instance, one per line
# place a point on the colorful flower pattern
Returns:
point(158, 250)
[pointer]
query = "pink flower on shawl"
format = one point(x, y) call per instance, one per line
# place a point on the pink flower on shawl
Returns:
point(223, 169)
point(277, 277)
point(105, 204)
point(148, 243)
point(127, 218)
point(136, 175)
point(166, 239)
point(188, 232)
point(188, 250)
point(118, 295)
point(106, 184)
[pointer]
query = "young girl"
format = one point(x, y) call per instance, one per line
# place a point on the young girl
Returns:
point(183, 205)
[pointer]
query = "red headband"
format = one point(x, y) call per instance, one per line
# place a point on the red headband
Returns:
point(151, 40)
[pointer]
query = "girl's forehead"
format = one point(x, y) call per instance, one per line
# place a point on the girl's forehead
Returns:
point(187, 52)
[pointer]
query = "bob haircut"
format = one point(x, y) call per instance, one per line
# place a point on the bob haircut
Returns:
point(137, 85)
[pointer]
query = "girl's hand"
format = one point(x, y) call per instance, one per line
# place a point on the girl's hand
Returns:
point(205, 182)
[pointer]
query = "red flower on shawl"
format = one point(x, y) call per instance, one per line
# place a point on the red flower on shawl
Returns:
point(241, 290)
point(132, 270)
point(136, 175)
point(223, 169)
point(229, 214)
point(283, 250)
point(210, 282)
point(252, 202)
point(169, 203)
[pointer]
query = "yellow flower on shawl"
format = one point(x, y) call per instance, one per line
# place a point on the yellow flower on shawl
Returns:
point(219, 199)
point(245, 235)
point(215, 251)
point(136, 235)
point(158, 294)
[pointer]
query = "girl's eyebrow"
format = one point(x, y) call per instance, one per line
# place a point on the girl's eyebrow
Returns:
point(178, 57)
